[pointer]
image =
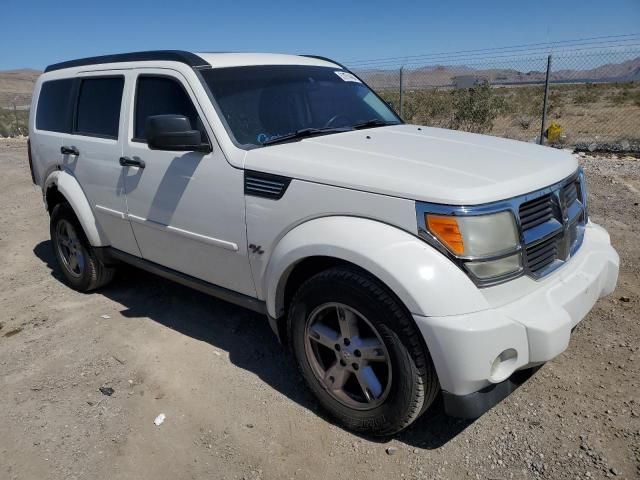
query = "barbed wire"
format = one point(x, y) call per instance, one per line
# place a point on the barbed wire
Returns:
point(544, 47)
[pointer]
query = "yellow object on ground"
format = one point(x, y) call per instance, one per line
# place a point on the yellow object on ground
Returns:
point(553, 132)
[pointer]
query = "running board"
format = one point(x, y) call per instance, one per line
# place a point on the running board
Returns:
point(187, 280)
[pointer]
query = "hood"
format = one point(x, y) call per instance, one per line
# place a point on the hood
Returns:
point(418, 163)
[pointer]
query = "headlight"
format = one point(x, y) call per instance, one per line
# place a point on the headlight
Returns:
point(475, 236)
point(495, 268)
point(487, 245)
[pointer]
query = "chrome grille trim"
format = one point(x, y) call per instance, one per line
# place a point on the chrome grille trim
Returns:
point(550, 223)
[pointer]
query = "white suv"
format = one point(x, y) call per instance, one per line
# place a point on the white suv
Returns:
point(396, 261)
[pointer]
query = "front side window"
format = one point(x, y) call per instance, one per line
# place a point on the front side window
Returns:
point(264, 102)
point(99, 101)
point(162, 96)
point(54, 106)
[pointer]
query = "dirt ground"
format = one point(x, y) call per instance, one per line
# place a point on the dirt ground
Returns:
point(235, 406)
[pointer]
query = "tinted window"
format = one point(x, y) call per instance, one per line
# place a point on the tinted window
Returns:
point(162, 96)
point(268, 101)
point(54, 106)
point(99, 103)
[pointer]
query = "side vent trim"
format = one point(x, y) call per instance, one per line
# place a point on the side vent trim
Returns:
point(266, 185)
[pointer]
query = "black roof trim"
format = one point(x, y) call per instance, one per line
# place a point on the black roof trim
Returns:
point(326, 59)
point(188, 58)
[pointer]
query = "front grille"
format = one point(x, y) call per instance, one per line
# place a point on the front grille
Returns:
point(541, 255)
point(570, 193)
point(552, 225)
point(536, 212)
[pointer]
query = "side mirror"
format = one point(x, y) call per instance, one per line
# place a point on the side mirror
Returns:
point(173, 133)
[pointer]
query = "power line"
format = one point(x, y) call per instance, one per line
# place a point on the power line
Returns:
point(489, 54)
point(523, 57)
point(489, 50)
point(528, 55)
point(601, 40)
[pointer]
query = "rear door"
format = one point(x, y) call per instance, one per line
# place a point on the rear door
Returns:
point(94, 148)
point(53, 116)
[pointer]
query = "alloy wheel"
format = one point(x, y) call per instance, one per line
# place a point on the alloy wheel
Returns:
point(69, 248)
point(348, 356)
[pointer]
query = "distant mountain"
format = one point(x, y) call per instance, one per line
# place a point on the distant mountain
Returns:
point(16, 87)
point(463, 75)
point(622, 72)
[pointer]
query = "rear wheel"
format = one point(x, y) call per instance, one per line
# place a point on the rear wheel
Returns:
point(80, 266)
point(360, 352)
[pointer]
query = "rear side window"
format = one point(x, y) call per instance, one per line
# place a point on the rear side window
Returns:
point(162, 96)
point(99, 101)
point(55, 106)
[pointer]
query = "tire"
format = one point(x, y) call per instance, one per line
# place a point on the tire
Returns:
point(81, 268)
point(385, 333)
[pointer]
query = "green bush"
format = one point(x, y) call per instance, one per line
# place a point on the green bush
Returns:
point(476, 108)
point(625, 96)
point(586, 94)
point(8, 125)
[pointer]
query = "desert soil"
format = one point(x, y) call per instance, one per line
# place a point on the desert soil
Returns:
point(235, 406)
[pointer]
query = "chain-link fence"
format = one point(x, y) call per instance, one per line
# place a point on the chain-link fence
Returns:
point(14, 120)
point(593, 98)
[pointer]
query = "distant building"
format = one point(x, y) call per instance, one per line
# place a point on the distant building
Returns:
point(468, 81)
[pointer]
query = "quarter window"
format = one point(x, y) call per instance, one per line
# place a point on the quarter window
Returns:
point(99, 102)
point(55, 106)
point(162, 96)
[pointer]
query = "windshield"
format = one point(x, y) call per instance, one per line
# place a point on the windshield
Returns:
point(262, 103)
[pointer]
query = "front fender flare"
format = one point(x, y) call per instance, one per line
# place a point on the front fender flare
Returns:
point(425, 281)
point(69, 187)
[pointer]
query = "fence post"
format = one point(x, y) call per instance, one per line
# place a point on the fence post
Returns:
point(15, 115)
point(543, 125)
point(401, 88)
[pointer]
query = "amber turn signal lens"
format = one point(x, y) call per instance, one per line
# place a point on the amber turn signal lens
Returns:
point(446, 230)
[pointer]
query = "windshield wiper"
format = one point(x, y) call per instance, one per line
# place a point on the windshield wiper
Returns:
point(304, 133)
point(374, 122)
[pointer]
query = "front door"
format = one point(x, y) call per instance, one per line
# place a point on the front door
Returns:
point(186, 208)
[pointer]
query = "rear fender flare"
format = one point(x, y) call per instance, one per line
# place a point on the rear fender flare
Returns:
point(69, 187)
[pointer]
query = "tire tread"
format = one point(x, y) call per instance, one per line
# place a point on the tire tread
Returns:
point(98, 273)
point(427, 385)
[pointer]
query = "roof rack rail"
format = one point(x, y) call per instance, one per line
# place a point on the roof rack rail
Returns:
point(326, 59)
point(181, 56)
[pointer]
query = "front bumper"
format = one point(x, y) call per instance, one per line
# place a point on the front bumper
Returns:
point(475, 354)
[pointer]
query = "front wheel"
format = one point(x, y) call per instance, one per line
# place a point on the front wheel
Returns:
point(360, 352)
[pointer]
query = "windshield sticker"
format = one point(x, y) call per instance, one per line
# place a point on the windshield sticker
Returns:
point(347, 77)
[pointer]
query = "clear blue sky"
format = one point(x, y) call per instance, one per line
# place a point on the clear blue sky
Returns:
point(35, 33)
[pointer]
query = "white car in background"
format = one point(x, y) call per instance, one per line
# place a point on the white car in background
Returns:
point(396, 261)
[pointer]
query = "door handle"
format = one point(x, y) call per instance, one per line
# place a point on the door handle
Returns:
point(64, 150)
point(131, 162)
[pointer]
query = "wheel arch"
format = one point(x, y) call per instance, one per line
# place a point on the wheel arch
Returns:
point(421, 278)
point(59, 187)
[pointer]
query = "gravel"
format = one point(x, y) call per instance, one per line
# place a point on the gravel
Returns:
point(237, 406)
